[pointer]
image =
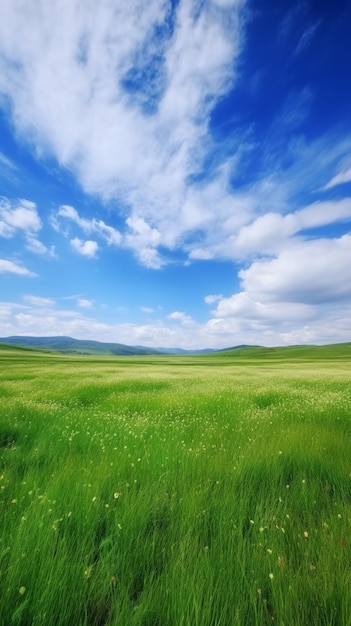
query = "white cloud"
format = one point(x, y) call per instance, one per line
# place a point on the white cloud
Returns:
point(146, 309)
point(87, 248)
point(123, 107)
point(310, 272)
point(211, 299)
point(144, 241)
point(247, 307)
point(121, 93)
point(108, 233)
point(39, 301)
point(14, 268)
point(127, 109)
point(306, 37)
point(180, 316)
point(84, 303)
point(301, 295)
point(269, 233)
point(298, 325)
point(6, 162)
point(339, 179)
point(21, 216)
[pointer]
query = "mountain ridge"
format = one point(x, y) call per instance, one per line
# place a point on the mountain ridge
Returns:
point(70, 345)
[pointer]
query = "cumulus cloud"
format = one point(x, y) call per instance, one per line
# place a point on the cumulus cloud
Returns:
point(21, 216)
point(311, 272)
point(180, 316)
point(86, 248)
point(303, 287)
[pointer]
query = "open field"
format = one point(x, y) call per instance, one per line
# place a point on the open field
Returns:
point(176, 491)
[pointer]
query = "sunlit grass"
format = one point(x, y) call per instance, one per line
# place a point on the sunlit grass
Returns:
point(206, 491)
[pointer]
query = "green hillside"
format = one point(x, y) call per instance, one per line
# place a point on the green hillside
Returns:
point(332, 351)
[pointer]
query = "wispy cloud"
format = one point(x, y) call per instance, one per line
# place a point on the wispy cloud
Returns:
point(99, 227)
point(147, 309)
point(6, 162)
point(339, 179)
point(84, 303)
point(211, 299)
point(306, 37)
point(39, 301)
point(14, 268)
point(84, 97)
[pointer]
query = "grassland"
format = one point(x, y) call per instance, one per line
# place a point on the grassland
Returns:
point(176, 491)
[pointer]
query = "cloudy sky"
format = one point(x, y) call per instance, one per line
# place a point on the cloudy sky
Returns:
point(176, 172)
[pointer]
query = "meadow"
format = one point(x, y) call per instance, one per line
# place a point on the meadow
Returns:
point(176, 491)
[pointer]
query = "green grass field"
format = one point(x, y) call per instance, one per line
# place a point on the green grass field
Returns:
point(176, 491)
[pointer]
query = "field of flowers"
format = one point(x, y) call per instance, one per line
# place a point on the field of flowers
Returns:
point(174, 491)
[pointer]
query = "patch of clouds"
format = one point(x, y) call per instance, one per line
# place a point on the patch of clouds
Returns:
point(97, 226)
point(300, 295)
point(86, 248)
point(121, 94)
point(128, 111)
point(246, 319)
point(124, 98)
point(22, 217)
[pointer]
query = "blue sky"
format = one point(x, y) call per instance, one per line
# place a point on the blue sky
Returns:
point(176, 173)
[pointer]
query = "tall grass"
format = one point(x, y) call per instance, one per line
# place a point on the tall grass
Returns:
point(174, 491)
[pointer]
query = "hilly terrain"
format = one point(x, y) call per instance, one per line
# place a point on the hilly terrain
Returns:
point(69, 345)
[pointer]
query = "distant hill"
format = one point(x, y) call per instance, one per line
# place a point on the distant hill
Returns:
point(70, 345)
point(305, 352)
point(77, 346)
point(181, 351)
